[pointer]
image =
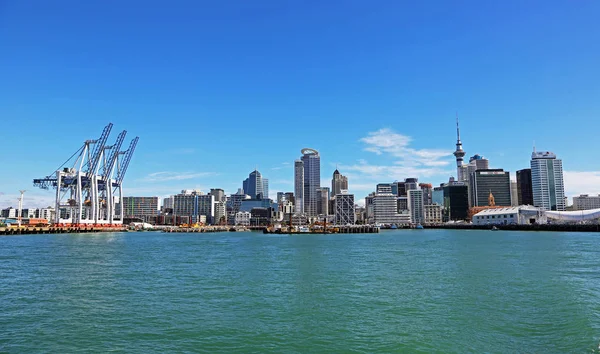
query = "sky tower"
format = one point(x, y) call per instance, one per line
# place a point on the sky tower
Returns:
point(459, 153)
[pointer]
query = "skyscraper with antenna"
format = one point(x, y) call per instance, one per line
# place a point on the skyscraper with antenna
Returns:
point(459, 154)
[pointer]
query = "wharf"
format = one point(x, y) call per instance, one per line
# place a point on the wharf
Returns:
point(31, 230)
point(530, 227)
point(356, 229)
point(200, 229)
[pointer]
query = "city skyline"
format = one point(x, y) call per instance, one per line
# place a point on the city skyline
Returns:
point(377, 97)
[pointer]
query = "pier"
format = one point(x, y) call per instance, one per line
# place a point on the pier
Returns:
point(31, 230)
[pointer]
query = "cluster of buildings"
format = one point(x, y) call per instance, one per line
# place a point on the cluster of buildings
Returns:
point(309, 203)
point(478, 194)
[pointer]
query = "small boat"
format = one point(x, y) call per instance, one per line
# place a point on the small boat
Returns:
point(494, 228)
point(419, 227)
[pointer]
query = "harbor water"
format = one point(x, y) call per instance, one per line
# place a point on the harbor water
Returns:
point(413, 291)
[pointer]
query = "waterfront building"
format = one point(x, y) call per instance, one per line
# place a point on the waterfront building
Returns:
point(521, 215)
point(437, 196)
point(402, 204)
point(323, 201)
point(299, 185)
point(339, 182)
point(249, 204)
point(547, 181)
point(456, 201)
point(433, 214)
point(415, 206)
point(459, 154)
point(484, 182)
point(586, 202)
point(260, 216)
point(344, 209)
point(194, 204)
point(524, 187)
point(410, 184)
point(140, 207)
point(280, 197)
point(219, 194)
point(220, 213)
point(427, 189)
point(399, 189)
point(289, 196)
point(45, 213)
point(167, 205)
point(369, 209)
point(385, 207)
point(312, 180)
point(10, 213)
point(242, 218)
point(255, 185)
point(514, 194)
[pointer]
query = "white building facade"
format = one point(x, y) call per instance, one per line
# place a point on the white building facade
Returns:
point(586, 202)
point(547, 181)
point(415, 206)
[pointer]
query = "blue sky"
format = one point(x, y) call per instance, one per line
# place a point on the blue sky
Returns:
point(214, 89)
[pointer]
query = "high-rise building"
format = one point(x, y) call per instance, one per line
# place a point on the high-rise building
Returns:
point(480, 162)
point(255, 184)
point(339, 183)
point(514, 193)
point(427, 189)
point(167, 203)
point(312, 180)
point(411, 183)
point(344, 209)
point(299, 186)
point(218, 193)
point(415, 206)
point(323, 201)
point(265, 194)
point(547, 181)
point(220, 213)
point(459, 154)
point(586, 202)
point(194, 204)
point(385, 207)
point(484, 182)
point(456, 201)
point(399, 189)
point(437, 196)
point(140, 207)
point(524, 188)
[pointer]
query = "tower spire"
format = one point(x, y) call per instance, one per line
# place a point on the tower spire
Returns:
point(457, 128)
point(459, 153)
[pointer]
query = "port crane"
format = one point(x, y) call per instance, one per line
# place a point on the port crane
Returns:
point(89, 185)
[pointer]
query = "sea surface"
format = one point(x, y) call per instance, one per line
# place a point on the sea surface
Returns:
point(401, 291)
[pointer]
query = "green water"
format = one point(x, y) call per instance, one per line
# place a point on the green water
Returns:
point(427, 291)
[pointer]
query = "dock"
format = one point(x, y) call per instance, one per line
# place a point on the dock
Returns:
point(32, 230)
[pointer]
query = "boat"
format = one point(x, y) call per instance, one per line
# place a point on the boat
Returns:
point(419, 227)
point(494, 228)
point(303, 229)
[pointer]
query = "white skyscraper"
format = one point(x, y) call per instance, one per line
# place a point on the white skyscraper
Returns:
point(547, 181)
point(299, 185)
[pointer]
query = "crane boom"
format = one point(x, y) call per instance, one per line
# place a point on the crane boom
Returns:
point(110, 162)
point(126, 160)
point(98, 148)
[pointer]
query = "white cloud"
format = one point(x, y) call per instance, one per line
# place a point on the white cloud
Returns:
point(174, 176)
point(577, 182)
point(386, 141)
point(404, 161)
